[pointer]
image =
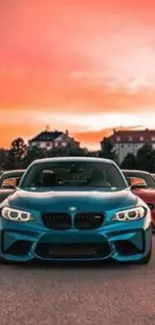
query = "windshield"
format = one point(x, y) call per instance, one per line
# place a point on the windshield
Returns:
point(59, 174)
point(148, 178)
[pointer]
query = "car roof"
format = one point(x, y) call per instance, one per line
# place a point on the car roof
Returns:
point(66, 159)
point(12, 172)
point(134, 171)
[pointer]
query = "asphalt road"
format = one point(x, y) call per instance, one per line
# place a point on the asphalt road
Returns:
point(77, 295)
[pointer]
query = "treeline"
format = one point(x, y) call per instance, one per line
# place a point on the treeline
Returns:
point(20, 155)
point(143, 160)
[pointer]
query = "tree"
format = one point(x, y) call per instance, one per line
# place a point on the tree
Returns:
point(67, 151)
point(108, 151)
point(3, 159)
point(151, 162)
point(129, 162)
point(145, 158)
point(77, 151)
point(33, 154)
point(58, 152)
point(16, 153)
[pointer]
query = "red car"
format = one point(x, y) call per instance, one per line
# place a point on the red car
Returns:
point(143, 185)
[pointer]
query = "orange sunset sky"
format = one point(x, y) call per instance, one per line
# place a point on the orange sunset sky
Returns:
point(83, 65)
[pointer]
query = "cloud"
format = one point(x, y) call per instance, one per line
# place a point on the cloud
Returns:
point(77, 121)
point(92, 139)
point(76, 64)
point(89, 129)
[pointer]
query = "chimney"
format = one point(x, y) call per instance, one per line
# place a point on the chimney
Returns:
point(47, 129)
point(67, 133)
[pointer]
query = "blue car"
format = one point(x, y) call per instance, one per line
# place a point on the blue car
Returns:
point(74, 209)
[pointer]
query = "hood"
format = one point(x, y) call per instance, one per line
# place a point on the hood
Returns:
point(146, 194)
point(60, 201)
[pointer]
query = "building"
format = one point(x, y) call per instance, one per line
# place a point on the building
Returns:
point(53, 139)
point(130, 141)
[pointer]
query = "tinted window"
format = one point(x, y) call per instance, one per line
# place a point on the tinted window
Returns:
point(147, 178)
point(136, 180)
point(12, 181)
point(95, 174)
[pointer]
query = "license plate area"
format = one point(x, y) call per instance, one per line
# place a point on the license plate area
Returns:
point(72, 250)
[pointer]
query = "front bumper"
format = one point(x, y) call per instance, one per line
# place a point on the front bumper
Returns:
point(120, 241)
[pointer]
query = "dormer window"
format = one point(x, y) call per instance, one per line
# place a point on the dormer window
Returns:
point(153, 138)
point(130, 138)
point(118, 139)
point(141, 139)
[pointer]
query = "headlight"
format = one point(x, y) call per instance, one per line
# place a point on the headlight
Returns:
point(16, 215)
point(130, 214)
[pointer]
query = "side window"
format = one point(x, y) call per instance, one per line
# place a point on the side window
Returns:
point(9, 182)
point(135, 180)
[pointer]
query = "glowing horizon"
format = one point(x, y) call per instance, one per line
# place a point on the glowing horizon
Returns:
point(86, 66)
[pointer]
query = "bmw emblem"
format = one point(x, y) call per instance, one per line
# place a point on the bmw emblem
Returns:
point(72, 209)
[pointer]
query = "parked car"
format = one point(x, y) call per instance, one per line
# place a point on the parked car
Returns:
point(8, 182)
point(143, 184)
point(75, 209)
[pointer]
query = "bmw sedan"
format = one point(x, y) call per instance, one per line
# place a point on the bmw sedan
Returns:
point(74, 209)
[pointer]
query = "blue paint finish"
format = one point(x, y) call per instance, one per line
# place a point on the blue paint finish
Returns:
point(137, 233)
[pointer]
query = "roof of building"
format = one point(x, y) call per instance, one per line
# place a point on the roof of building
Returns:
point(46, 136)
point(133, 136)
